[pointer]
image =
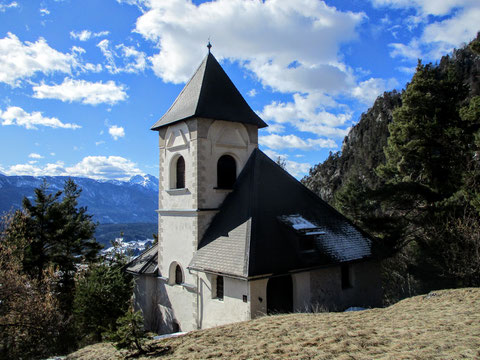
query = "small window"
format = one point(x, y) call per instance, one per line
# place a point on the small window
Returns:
point(226, 172)
point(178, 275)
point(180, 173)
point(219, 284)
point(345, 274)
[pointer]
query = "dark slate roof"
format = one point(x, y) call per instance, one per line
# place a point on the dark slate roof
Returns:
point(210, 94)
point(260, 223)
point(145, 263)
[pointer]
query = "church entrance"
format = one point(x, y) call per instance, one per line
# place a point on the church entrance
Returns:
point(280, 295)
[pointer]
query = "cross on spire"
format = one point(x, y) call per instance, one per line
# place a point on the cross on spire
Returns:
point(209, 46)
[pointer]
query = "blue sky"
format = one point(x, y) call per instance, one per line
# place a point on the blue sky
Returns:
point(82, 81)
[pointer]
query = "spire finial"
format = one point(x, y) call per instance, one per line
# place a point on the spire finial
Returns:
point(209, 46)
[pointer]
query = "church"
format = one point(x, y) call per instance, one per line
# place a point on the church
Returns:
point(238, 237)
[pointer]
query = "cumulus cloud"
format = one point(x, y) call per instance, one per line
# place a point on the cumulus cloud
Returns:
point(22, 60)
point(94, 167)
point(367, 91)
point(4, 7)
point(44, 11)
point(134, 61)
point(288, 45)
point(15, 115)
point(279, 142)
point(295, 168)
point(92, 93)
point(85, 35)
point(35, 156)
point(309, 113)
point(116, 132)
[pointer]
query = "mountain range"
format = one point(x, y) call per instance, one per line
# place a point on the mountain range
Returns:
point(110, 201)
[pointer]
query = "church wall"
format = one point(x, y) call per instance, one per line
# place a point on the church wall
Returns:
point(215, 312)
point(327, 292)
point(258, 297)
point(145, 300)
point(220, 138)
point(301, 291)
point(178, 305)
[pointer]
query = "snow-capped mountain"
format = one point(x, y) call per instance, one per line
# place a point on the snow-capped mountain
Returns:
point(131, 201)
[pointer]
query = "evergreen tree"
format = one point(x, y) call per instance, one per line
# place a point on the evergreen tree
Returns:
point(102, 296)
point(62, 236)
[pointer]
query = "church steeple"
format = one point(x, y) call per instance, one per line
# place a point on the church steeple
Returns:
point(210, 94)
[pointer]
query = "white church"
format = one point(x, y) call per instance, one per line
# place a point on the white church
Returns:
point(238, 237)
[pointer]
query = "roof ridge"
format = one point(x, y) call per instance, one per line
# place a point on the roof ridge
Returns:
point(205, 60)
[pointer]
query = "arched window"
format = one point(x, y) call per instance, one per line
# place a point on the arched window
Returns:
point(178, 275)
point(180, 173)
point(226, 172)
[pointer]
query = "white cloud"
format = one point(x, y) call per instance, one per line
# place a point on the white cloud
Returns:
point(86, 92)
point(447, 24)
point(44, 12)
point(367, 91)
point(295, 168)
point(411, 51)
point(116, 132)
point(252, 93)
point(22, 60)
point(426, 7)
point(85, 35)
point(134, 61)
point(95, 167)
point(97, 143)
point(35, 156)
point(309, 113)
point(4, 7)
point(289, 45)
point(278, 142)
point(15, 115)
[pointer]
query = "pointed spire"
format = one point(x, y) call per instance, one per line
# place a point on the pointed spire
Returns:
point(209, 46)
point(210, 94)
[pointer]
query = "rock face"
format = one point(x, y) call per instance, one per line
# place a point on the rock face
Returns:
point(132, 201)
point(362, 150)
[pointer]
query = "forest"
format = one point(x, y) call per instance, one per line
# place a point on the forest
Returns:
point(409, 174)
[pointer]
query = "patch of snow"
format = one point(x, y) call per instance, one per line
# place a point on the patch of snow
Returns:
point(166, 336)
point(355, 308)
point(297, 222)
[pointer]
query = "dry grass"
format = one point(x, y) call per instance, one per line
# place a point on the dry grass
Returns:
point(443, 325)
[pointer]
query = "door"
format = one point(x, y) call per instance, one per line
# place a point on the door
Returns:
point(280, 295)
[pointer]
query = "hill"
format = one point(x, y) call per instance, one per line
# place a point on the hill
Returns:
point(110, 202)
point(444, 324)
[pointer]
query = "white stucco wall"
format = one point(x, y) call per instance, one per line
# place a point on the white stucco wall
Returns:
point(214, 312)
point(258, 297)
point(327, 292)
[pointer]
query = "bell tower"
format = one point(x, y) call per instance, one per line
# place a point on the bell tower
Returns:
point(205, 139)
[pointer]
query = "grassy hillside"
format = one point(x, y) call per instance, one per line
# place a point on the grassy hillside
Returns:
point(442, 325)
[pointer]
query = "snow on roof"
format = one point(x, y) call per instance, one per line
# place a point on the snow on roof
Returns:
point(297, 222)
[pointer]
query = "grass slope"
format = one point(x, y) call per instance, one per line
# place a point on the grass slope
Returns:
point(442, 325)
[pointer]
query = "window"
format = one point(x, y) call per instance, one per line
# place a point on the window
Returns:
point(178, 275)
point(226, 172)
point(180, 173)
point(219, 289)
point(345, 277)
